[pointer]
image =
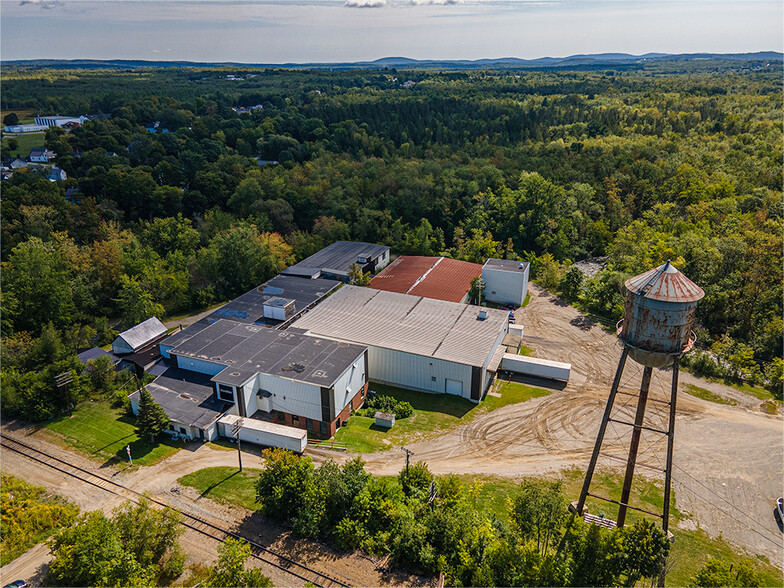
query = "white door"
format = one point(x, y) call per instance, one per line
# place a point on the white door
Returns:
point(454, 387)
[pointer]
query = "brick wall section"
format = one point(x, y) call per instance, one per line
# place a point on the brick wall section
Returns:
point(356, 402)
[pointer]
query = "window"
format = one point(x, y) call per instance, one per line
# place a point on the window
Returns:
point(432, 378)
point(309, 424)
point(295, 419)
point(323, 428)
point(183, 431)
point(225, 393)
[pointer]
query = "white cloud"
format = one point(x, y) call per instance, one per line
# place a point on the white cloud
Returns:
point(434, 2)
point(46, 4)
point(365, 3)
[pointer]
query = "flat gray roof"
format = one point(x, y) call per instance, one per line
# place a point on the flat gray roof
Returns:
point(335, 258)
point(507, 265)
point(249, 308)
point(250, 349)
point(412, 324)
point(187, 397)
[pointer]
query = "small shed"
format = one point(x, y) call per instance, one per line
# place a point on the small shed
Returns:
point(137, 337)
point(385, 419)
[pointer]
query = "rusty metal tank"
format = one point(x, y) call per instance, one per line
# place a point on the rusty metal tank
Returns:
point(659, 315)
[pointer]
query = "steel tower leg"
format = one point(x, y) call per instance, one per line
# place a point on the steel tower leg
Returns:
point(602, 429)
point(668, 470)
point(635, 443)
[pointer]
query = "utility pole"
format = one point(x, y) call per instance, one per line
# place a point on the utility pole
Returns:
point(235, 428)
point(62, 381)
point(408, 453)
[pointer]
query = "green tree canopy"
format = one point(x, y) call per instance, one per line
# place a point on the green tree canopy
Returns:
point(151, 419)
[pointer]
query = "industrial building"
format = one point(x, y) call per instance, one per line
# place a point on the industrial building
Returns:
point(414, 342)
point(506, 281)
point(334, 261)
point(250, 370)
point(440, 278)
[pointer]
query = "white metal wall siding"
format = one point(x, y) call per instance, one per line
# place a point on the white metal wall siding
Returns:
point(416, 371)
point(199, 365)
point(504, 287)
point(275, 312)
point(300, 398)
point(349, 383)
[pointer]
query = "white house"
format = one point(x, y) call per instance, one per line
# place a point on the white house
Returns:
point(40, 155)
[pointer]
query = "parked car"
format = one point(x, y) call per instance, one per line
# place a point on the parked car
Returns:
point(780, 508)
point(16, 584)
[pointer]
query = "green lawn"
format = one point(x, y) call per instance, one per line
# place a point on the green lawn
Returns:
point(26, 142)
point(101, 431)
point(528, 351)
point(227, 484)
point(434, 414)
point(708, 395)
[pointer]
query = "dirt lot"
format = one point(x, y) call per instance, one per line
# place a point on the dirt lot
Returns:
point(728, 459)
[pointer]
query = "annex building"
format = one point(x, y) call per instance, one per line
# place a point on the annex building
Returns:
point(334, 261)
point(415, 342)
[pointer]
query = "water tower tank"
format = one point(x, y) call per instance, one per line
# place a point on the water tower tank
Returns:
point(659, 314)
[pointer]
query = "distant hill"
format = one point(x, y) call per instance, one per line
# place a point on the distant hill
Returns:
point(597, 59)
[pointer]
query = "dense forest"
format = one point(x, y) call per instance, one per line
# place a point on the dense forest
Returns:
point(640, 165)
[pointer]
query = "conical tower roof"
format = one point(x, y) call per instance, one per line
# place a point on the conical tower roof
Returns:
point(665, 283)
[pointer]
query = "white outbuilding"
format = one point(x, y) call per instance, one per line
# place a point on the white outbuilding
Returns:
point(137, 337)
point(413, 342)
point(506, 281)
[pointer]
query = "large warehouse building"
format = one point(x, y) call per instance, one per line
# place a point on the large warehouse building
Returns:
point(440, 278)
point(414, 342)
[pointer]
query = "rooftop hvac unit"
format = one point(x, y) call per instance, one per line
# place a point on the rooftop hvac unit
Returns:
point(482, 314)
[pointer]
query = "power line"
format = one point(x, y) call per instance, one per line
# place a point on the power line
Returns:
point(709, 489)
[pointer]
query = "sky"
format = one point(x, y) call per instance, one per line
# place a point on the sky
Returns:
point(326, 31)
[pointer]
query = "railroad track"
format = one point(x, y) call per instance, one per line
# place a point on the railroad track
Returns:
point(258, 551)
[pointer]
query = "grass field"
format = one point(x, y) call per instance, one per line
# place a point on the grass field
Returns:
point(28, 515)
point(708, 395)
point(25, 115)
point(25, 143)
point(226, 484)
point(103, 432)
point(434, 414)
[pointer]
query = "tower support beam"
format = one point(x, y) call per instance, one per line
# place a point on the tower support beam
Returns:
point(602, 429)
point(635, 443)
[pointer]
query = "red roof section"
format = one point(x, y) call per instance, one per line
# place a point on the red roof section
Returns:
point(665, 283)
point(449, 280)
point(400, 275)
point(440, 278)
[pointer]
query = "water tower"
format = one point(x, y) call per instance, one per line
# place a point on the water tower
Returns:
point(656, 331)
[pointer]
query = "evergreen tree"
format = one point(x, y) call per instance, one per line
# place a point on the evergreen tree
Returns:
point(151, 419)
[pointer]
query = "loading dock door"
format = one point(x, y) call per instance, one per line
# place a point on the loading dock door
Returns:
point(454, 387)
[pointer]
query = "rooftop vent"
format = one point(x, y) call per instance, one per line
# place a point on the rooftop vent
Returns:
point(520, 266)
point(482, 314)
point(342, 344)
point(294, 367)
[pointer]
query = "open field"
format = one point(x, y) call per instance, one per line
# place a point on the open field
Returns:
point(25, 142)
point(103, 432)
point(25, 114)
point(226, 483)
point(434, 414)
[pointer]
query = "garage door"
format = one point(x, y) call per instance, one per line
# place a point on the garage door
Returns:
point(454, 387)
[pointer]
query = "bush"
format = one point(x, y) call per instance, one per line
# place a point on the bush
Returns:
point(349, 534)
point(388, 404)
